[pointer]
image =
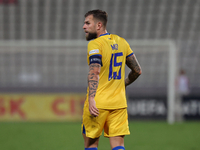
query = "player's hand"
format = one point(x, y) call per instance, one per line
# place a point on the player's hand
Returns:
point(92, 108)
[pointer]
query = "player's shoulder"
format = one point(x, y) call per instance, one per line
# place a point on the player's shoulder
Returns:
point(96, 41)
point(119, 38)
point(115, 36)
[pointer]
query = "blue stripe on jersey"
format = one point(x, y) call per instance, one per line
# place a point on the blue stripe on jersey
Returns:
point(95, 59)
point(105, 34)
point(129, 55)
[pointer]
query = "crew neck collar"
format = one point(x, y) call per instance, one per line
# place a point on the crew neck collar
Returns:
point(104, 34)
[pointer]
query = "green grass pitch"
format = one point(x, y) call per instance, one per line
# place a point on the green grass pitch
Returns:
point(67, 136)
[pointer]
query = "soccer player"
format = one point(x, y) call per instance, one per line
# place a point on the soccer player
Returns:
point(105, 107)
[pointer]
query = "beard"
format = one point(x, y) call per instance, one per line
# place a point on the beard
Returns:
point(91, 36)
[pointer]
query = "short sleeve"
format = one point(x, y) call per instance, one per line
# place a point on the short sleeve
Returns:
point(94, 52)
point(129, 50)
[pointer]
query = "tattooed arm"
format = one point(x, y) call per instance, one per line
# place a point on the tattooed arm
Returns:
point(93, 81)
point(136, 70)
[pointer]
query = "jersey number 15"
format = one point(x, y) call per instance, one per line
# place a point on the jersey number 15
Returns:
point(115, 75)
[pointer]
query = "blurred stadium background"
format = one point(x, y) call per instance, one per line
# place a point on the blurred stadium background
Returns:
point(43, 71)
point(43, 47)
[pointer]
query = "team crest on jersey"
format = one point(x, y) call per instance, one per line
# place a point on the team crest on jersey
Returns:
point(94, 51)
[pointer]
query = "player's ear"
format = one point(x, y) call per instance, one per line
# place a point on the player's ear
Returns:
point(99, 25)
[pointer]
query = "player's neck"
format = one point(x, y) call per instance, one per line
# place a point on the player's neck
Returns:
point(102, 32)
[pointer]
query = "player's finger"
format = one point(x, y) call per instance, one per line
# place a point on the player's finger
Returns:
point(95, 112)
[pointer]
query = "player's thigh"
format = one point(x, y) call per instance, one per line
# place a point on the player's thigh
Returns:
point(117, 123)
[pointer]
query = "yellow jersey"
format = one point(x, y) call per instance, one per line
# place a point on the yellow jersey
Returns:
point(113, 51)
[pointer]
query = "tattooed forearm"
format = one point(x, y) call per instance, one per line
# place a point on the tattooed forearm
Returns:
point(93, 79)
point(136, 70)
point(131, 78)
